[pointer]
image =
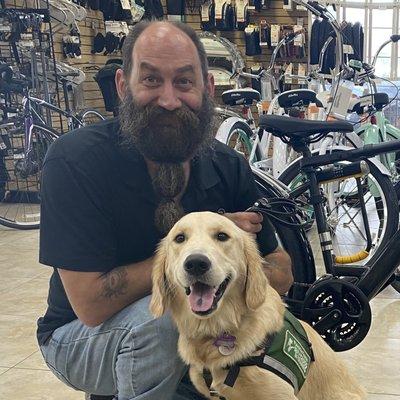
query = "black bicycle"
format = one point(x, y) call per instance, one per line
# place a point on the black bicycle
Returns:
point(337, 304)
point(24, 140)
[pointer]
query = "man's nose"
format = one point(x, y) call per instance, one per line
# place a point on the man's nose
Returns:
point(168, 98)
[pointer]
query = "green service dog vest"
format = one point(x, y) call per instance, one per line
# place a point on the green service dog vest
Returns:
point(288, 354)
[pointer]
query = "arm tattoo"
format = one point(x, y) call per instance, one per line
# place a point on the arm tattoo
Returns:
point(115, 283)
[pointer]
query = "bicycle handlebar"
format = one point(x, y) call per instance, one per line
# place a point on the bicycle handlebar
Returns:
point(362, 153)
point(267, 73)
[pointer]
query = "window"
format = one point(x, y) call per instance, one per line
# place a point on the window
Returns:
point(380, 20)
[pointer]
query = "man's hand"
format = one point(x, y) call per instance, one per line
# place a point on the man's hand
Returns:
point(278, 269)
point(250, 222)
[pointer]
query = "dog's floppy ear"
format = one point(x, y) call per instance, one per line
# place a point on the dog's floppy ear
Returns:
point(159, 298)
point(256, 281)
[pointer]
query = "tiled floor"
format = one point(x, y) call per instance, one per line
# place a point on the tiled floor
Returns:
point(23, 291)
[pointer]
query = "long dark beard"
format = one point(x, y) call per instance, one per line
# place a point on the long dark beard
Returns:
point(167, 138)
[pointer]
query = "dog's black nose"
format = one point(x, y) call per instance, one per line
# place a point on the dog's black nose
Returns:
point(197, 264)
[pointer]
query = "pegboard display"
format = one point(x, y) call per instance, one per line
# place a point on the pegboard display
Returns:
point(268, 13)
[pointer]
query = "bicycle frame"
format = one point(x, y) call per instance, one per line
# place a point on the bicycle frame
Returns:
point(378, 133)
point(30, 111)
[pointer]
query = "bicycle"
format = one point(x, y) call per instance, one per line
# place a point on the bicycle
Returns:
point(23, 145)
point(383, 167)
point(336, 304)
point(239, 131)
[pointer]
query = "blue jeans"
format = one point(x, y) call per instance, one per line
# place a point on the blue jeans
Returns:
point(131, 355)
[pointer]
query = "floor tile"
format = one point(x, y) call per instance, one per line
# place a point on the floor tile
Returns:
point(17, 339)
point(376, 364)
point(374, 396)
point(11, 283)
point(35, 361)
point(26, 384)
point(389, 293)
point(19, 263)
point(384, 324)
point(25, 300)
point(3, 369)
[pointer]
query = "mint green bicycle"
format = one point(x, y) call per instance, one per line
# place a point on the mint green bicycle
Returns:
point(378, 129)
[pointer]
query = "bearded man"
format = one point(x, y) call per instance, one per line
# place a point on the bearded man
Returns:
point(110, 192)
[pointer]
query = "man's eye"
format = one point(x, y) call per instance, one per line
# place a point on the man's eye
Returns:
point(184, 82)
point(180, 238)
point(222, 236)
point(151, 80)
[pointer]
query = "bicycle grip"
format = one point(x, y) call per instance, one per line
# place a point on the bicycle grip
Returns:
point(395, 38)
point(352, 258)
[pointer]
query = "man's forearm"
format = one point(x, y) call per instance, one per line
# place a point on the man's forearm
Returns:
point(97, 297)
point(278, 269)
point(124, 285)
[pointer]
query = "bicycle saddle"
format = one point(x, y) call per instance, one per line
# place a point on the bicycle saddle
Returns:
point(237, 97)
point(379, 100)
point(297, 98)
point(281, 126)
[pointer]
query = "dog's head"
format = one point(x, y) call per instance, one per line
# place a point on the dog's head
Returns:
point(204, 262)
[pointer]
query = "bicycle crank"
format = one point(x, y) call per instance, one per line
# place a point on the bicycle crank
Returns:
point(339, 311)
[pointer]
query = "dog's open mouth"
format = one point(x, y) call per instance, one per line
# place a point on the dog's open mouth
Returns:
point(203, 298)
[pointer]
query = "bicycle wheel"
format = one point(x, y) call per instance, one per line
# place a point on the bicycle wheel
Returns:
point(20, 177)
point(344, 215)
point(294, 241)
point(90, 116)
point(237, 135)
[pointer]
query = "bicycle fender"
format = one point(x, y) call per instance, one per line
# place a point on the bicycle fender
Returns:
point(225, 127)
point(280, 189)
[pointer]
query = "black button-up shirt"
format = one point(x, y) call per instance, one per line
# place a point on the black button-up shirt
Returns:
point(98, 206)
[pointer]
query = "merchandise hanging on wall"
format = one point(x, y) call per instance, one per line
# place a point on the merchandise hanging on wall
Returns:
point(176, 10)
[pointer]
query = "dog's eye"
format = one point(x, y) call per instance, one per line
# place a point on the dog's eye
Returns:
point(180, 238)
point(222, 237)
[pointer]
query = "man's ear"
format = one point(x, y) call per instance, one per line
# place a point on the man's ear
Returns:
point(120, 83)
point(210, 84)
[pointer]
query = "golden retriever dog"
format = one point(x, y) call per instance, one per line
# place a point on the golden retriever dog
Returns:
point(208, 273)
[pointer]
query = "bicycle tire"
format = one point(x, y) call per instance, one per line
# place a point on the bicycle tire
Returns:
point(294, 241)
point(389, 201)
point(237, 137)
point(90, 116)
point(20, 205)
point(396, 184)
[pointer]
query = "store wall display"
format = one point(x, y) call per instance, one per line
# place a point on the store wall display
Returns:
point(199, 14)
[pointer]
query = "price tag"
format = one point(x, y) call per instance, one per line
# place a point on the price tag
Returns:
point(302, 72)
point(298, 40)
point(219, 4)
point(275, 31)
point(341, 100)
point(348, 49)
point(205, 12)
point(241, 6)
point(288, 72)
point(126, 5)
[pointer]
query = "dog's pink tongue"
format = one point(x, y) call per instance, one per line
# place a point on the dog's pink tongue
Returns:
point(201, 296)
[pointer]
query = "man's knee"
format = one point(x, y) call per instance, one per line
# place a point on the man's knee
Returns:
point(150, 362)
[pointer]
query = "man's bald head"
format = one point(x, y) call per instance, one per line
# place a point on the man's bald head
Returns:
point(138, 29)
